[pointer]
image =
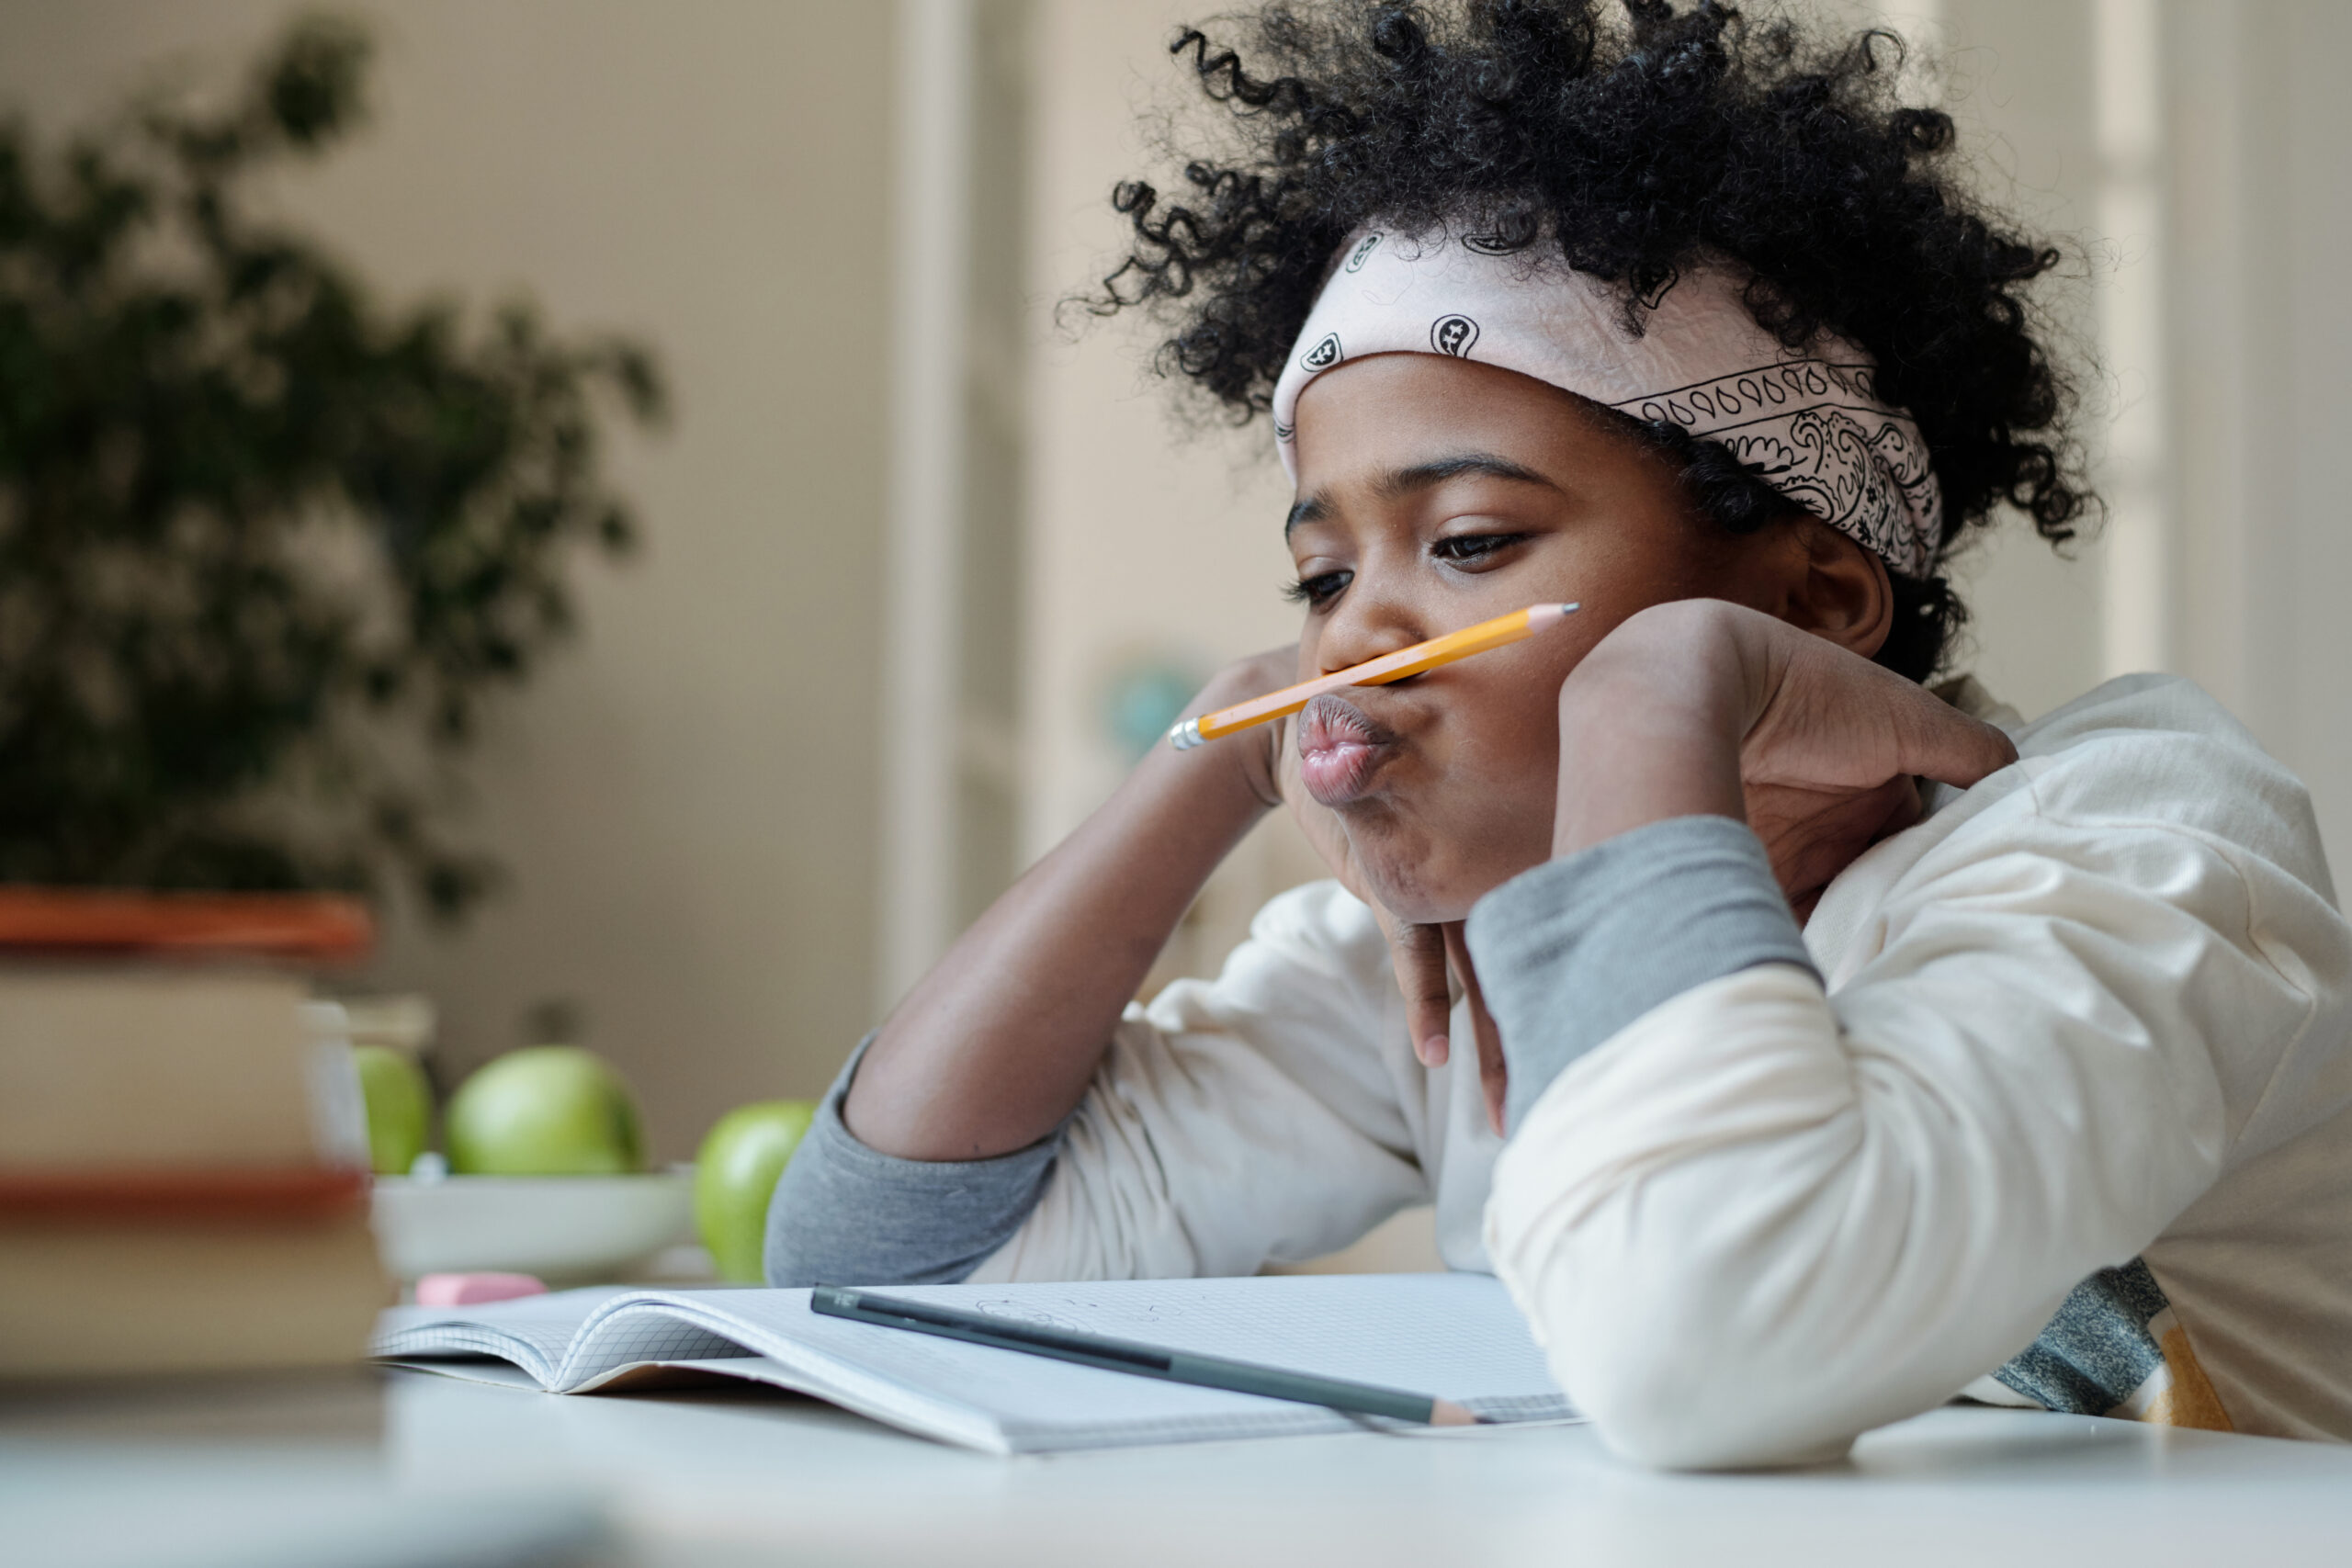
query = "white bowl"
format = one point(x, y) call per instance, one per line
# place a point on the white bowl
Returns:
point(565, 1229)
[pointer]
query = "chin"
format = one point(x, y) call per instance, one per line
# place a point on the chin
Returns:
point(1429, 867)
point(1431, 880)
point(1410, 894)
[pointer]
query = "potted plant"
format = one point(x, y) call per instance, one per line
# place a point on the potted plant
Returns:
point(267, 545)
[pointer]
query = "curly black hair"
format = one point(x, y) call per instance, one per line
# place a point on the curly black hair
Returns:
point(1638, 138)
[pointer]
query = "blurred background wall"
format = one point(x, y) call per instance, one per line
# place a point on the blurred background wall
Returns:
point(915, 550)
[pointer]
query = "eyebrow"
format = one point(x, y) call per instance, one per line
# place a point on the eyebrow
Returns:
point(1398, 483)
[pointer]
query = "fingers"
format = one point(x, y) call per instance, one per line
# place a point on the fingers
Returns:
point(1494, 1074)
point(1826, 701)
point(1810, 848)
point(1418, 954)
point(1422, 955)
point(1943, 743)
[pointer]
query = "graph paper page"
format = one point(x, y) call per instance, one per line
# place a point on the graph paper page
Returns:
point(1451, 1335)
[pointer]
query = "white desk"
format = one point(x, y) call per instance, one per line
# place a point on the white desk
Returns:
point(719, 1480)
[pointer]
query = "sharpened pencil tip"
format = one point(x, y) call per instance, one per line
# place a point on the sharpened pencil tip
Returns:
point(1445, 1413)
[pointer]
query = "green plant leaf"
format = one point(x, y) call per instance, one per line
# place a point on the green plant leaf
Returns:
point(267, 544)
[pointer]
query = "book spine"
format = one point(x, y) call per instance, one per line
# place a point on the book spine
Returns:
point(267, 1194)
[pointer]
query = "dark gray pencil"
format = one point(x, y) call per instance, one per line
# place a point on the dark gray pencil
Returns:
point(1141, 1360)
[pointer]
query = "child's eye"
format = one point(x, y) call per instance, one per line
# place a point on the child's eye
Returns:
point(1469, 549)
point(1318, 591)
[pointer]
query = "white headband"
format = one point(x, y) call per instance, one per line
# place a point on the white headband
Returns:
point(1809, 425)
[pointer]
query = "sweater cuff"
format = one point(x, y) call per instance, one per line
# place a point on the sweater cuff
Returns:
point(845, 1214)
point(1572, 952)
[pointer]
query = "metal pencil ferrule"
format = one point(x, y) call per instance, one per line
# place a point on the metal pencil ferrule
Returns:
point(1186, 735)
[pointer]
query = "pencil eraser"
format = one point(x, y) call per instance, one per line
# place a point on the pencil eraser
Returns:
point(472, 1290)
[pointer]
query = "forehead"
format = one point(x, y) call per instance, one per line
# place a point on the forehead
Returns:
point(1389, 412)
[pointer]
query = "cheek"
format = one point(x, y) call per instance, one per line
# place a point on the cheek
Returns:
point(1507, 743)
point(1496, 780)
point(1478, 809)
point(1502, 727)
point(1648, 560)
point(1309, 650)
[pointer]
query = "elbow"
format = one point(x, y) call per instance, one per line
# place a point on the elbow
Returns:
point(1674, 1406)
point(844, 1214)
point(790, 1267)
point(816, 1237)
point(820, 1235)
point(1745, 1348)
point(795, 1251)
point(1685, 1359)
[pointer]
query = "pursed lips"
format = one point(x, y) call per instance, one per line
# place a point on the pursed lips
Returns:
point(1340, 747)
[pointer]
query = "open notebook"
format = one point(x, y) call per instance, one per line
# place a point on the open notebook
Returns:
point(1451, 1334)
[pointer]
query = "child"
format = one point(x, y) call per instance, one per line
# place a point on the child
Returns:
point(1839, 1046)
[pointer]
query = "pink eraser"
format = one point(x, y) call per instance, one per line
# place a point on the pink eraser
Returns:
point(472, 1290)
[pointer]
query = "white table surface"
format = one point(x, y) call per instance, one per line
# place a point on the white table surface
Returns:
point(714, 1480)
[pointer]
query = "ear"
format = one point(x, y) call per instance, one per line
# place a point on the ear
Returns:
point(1836, 588)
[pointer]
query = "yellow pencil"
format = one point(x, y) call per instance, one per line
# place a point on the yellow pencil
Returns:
point(1502, 629)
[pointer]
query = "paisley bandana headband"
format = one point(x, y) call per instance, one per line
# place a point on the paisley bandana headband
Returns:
point(1810, 425)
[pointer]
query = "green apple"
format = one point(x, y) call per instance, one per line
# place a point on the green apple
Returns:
point(399, 1107)
point(543, 1110)
point(735, 1176)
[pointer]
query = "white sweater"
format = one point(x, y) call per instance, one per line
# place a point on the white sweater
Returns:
point(2093, 1010)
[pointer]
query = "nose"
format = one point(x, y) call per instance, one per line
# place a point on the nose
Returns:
point(1363, 626)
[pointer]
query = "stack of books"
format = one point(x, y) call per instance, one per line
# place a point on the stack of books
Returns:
point(182, 1169)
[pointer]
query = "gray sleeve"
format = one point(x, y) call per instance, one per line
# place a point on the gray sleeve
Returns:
point(1572, 952)
point(847, 1214)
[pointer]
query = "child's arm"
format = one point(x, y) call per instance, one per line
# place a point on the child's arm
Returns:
point(991, 1051)
point(1751, 1219)
point(1703, 708)
point(1273, 1113)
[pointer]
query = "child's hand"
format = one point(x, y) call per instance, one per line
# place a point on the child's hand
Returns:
point(1256, 752)
point(1421, 955)
point(1700, 707)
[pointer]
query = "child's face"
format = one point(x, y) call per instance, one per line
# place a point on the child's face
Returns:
point(1435, 493)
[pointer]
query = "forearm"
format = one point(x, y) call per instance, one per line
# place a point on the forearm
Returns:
point(994, 1049)
point(1739, 1251)
point(1754, 1224)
